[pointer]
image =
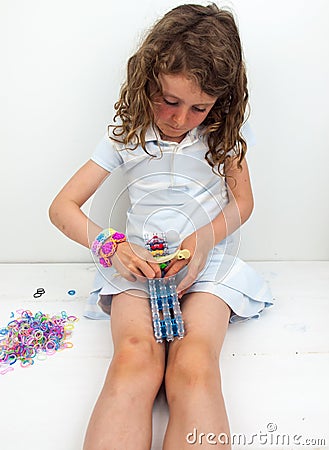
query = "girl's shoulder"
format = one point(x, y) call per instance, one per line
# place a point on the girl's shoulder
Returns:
point(106, 153)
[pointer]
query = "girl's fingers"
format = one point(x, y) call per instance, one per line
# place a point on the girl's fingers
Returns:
point(186, 282)
point(137, 261)
point(175, 266)
point(156, 270)
point(143, 268)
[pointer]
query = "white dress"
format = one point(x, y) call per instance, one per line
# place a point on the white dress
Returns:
point(175, 192)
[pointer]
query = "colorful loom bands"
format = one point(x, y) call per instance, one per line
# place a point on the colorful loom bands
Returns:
point(28, 337)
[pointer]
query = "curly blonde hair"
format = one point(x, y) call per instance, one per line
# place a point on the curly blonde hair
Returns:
point(202, 42)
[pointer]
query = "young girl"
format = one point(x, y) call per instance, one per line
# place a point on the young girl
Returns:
point(177, 142)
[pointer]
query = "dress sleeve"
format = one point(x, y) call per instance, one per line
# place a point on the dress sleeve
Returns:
point(107, 155)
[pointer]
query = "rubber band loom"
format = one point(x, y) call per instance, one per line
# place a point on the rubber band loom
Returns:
point(165, 307)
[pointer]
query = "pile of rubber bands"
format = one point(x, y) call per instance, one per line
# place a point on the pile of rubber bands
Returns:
point(28, 337)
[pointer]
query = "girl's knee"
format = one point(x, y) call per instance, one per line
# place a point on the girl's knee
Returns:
point(194, 365)
point(138, 358)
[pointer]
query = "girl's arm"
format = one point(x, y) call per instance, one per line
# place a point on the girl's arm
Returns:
point(65, 212)
point(241, 201)
point(130, 260)
point(235, 213)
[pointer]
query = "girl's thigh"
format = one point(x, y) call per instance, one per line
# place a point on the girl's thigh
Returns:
point(206, 319)
point(131, 322)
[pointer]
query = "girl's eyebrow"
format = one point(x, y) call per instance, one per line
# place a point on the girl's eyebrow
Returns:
point(167, 94)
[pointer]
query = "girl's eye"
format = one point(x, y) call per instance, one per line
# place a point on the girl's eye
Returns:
point(200, 110)
point(195, 108)
point(170, 103)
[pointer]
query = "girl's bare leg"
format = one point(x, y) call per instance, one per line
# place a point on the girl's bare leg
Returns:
point(193, 383)
point(122, 417)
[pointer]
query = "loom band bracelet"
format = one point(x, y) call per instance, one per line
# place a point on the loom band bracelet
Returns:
point(104, 236)
point(100, 239)
point(179, 254)
point(110, 246)
point(105, 262)
point(118, 237)
point(108, 249)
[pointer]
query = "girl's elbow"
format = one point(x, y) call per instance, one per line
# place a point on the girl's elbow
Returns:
point(249, 208)
point(53, 212)
point(246, 210)
point(252, 204)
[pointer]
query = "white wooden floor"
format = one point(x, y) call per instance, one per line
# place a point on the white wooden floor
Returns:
point(275, 370)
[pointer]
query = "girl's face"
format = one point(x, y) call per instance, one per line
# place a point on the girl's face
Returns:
point(181, 107)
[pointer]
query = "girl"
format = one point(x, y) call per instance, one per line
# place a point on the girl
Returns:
point(177, 143)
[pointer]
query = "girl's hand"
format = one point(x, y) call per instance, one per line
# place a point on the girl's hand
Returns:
point(199, 244)
point(133, 261)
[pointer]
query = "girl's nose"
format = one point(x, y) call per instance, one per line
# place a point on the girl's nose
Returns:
point(180, 117)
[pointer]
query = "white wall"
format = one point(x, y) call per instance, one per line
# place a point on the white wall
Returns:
point(61, 73)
